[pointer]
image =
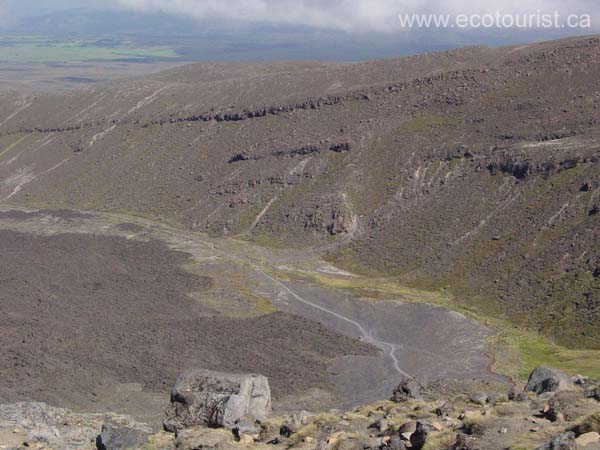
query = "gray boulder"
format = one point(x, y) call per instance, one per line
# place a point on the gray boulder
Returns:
point(564, 441)
point(215, 399)
point(121, 438)
point(479, 399)
point(407, 390)
point(547, 379)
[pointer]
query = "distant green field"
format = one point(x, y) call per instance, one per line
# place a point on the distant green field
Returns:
point(38, 49)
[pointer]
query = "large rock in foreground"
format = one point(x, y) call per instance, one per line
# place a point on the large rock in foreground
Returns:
point(547, 379)
point(214, 399)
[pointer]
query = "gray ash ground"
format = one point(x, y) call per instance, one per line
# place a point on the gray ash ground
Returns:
point(66, 214)
point(80, 313)
point(130, 227)
point(423, 341)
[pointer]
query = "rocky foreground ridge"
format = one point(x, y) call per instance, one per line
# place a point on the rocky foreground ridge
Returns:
point(212, 410)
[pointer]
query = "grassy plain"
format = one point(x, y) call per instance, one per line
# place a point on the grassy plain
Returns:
point(42, 49)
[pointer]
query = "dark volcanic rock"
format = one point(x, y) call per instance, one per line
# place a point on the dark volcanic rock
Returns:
point(340, 148)
point(419, 437)
point(241, 157)
point(286, 430)
point(518, 169)
point(302, 151)
point(552, 413)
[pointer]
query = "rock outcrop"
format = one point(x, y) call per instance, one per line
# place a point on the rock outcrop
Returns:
point(38, 425)
point(407, 390)
point(216, 411)
point(215, 399)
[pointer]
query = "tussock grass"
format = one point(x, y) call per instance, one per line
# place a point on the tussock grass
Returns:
point(441, 440)
point(326, 418)
point(309, 430)
point(381, 408)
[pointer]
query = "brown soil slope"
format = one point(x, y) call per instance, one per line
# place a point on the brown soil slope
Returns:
point(83, 313)
point(476, 170)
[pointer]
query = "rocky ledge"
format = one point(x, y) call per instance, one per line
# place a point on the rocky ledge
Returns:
point(211, 410)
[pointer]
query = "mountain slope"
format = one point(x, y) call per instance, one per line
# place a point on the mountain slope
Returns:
point(475, 170)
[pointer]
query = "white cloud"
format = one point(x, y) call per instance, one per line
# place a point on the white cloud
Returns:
point(351, 15)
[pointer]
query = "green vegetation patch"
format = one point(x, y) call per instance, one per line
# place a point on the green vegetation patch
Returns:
point(38, 49)
point(535, 350)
